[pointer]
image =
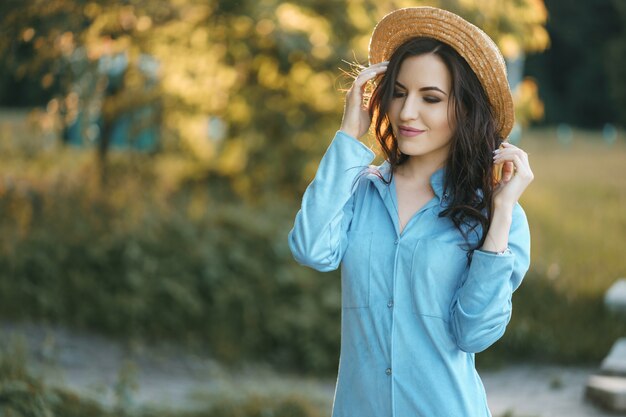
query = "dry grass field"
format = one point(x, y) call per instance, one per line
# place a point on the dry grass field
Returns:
point(577, 210)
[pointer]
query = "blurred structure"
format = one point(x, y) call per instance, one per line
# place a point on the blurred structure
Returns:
point(136, 128)
point(608, 387)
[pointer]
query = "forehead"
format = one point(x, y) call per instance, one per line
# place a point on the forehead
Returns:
point(426, 70)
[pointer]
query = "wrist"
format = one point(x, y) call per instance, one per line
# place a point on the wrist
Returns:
point(503, 252)
point(349, 132)
point(503, 206)
point(502, 216)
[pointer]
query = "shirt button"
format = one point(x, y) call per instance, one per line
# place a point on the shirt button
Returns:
point(388, 371)
point(396, 242)
point(390, 303)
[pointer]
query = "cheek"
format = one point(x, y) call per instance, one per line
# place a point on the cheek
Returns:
point(441, 119)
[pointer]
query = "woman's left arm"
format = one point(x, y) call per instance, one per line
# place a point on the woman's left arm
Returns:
point(481, 307)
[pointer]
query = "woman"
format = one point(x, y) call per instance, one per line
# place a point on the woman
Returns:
point(431, 244)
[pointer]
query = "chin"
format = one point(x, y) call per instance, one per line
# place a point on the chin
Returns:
point(410, 150)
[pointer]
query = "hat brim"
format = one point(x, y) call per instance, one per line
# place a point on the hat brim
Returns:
point(474, 45)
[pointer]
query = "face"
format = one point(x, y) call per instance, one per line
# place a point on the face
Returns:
point(420, 115)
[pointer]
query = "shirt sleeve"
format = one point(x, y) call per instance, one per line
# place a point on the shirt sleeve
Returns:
point(319, 235)
point(481, 308)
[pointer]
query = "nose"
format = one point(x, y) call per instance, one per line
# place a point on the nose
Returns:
point(410, 109)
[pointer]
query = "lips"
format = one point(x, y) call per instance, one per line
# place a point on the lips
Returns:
point(409, 131)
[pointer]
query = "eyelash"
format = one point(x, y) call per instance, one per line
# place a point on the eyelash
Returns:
point(427, 99)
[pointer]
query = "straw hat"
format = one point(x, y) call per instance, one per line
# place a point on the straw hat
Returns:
point(480, 52)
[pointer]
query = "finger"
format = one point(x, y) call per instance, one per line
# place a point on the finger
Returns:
point(375, 67)
point(372, 70)
point(361, 82)
point(520, 166)
point(519, 161)
point(507, 153)
point(355, 93)
point(508, 169)
point(508, 147)
point(522, 169)
point(379, 64)
point(366, 76)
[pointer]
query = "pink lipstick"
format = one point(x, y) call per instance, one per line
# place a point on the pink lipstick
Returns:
point(409, 131)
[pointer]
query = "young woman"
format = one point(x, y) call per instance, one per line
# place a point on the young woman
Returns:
point(431, 244)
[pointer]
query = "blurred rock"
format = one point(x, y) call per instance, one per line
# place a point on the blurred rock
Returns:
point(607, 391)
point(608, 387)
point(615, 362)
point(615, 297)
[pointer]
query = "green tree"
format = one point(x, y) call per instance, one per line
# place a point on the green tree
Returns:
point(574, 74)
point(616, 62)
point(248, 89)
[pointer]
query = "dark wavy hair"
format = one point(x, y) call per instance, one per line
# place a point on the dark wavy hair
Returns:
point(468, 180)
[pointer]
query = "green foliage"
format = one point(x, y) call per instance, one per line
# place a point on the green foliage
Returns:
point(575, 209)
point(579, 76)
point(23, 395)
point(616, 59)
point(160, 255)
point(262, 75)
point(184, 265)
point(292, 406)
point(548, 326)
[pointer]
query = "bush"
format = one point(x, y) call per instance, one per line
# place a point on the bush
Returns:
point(134, 260)
point(165, 251)
point(22, 395)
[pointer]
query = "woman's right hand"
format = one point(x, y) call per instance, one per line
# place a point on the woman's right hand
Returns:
point(356, 120)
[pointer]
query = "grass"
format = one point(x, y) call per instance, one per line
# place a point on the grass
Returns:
point(577, 211)
point(104, 260)
point(23, 394)
point(576, 208)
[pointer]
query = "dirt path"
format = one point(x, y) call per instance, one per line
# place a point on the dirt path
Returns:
point(168, 378)
point(542, 391)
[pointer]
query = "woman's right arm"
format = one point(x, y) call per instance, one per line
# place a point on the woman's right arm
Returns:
point(319, 236)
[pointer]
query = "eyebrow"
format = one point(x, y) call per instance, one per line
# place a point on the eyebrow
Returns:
point(431, 88)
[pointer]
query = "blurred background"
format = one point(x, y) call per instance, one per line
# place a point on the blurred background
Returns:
point(153, 155)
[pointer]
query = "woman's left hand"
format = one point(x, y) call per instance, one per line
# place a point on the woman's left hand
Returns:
point(516, 174)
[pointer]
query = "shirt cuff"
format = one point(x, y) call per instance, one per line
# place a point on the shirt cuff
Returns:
point(370, 153)
point(507, 251)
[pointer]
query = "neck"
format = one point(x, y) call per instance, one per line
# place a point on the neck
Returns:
point(418, 170)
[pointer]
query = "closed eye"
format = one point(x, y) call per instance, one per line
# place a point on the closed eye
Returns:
point(430, 99)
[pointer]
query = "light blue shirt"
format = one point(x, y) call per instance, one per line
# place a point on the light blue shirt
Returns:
point(414, 312)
